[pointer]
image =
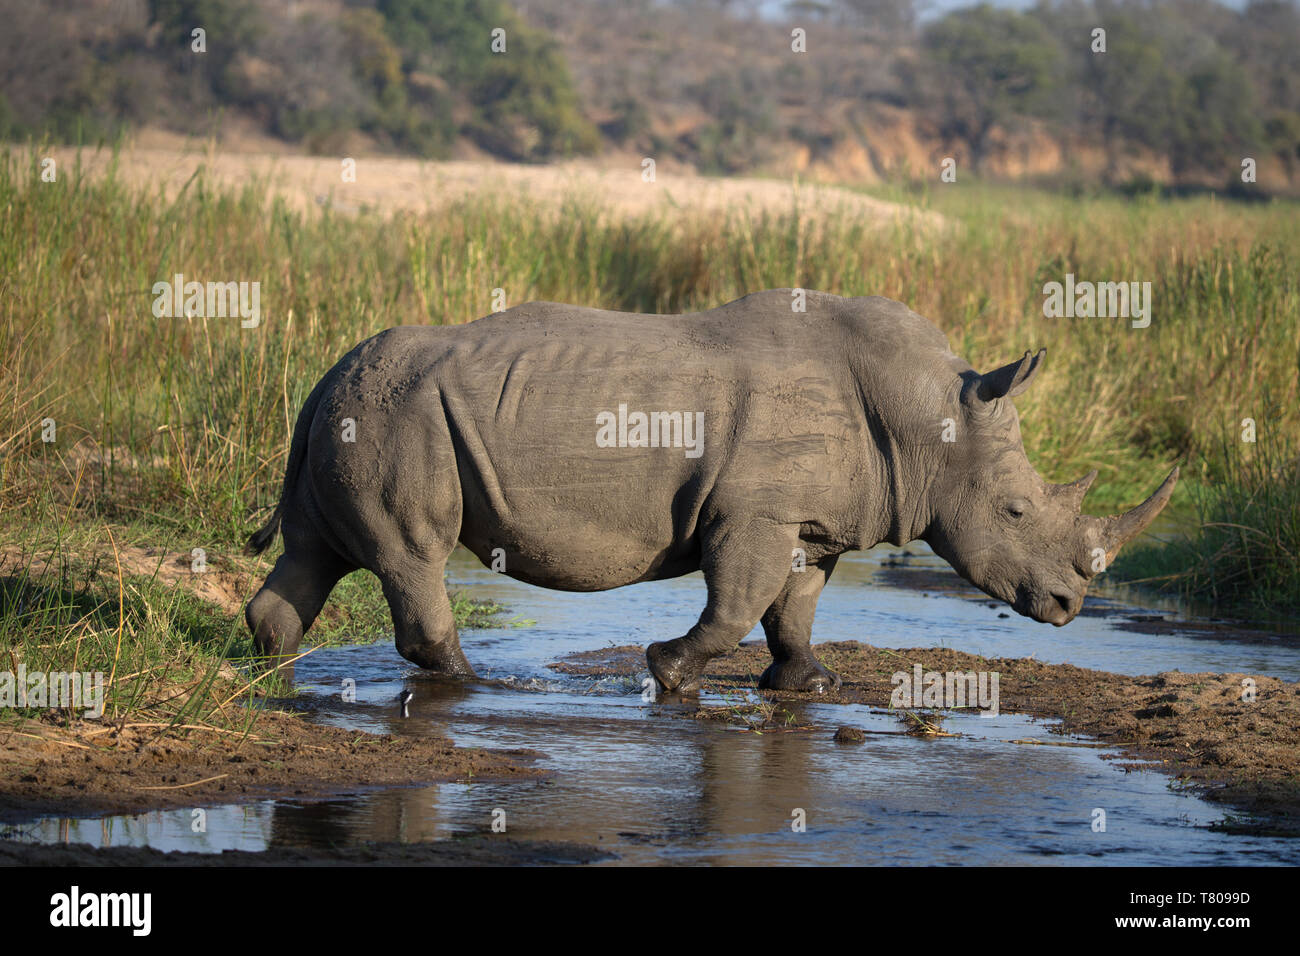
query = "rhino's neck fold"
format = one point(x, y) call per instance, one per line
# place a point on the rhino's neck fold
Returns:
point(909, 485)
point(897, 488)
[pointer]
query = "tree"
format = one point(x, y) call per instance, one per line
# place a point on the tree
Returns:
point(983, 68)
point(523, 102)
point(890, 18)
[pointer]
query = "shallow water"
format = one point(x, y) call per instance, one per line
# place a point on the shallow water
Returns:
point(653, 785)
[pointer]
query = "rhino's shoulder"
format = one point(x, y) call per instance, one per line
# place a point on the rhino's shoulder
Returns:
point(882, 318)
point(875, 317)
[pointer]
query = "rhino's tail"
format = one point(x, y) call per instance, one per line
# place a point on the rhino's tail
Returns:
point(262, 538)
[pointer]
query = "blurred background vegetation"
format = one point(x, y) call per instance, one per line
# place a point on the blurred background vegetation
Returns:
point(411, 75)
point(1184, 90)
point(174, 432)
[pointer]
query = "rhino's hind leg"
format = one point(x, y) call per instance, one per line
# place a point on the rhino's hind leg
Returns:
point(788, 626)
point(745, 569)
point(423, 622)
point(291, 597)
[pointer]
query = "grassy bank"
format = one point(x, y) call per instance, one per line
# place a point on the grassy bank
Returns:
point(169, 641)
point(1245, 551)
point(173, 431)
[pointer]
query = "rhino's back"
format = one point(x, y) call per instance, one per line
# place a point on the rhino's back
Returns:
point(540, 369)
point(754, 328)
point(538, 375)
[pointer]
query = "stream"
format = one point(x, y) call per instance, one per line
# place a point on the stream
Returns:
point(650, 785)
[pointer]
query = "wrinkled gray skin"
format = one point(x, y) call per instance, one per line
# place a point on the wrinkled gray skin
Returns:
point(822, 432)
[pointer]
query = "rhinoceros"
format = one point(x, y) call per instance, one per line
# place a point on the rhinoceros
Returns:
point(583, 450)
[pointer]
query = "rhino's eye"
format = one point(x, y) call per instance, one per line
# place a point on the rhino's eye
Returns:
point(1016, 508)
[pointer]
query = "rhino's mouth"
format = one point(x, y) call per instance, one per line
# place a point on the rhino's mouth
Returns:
point(1047, 603)
point(1057, 606)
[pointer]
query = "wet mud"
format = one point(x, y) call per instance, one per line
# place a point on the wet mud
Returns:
point(87, 769)
point(1200, 728)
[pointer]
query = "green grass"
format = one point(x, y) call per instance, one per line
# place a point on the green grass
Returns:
point(192, 416)
point(1245, 552)
point(164, 655)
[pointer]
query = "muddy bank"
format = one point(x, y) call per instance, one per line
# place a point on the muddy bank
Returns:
point(1195, 727)
point(471, 851)
point(92, 768)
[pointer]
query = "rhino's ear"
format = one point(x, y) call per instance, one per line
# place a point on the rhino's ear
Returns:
point(1010, 380)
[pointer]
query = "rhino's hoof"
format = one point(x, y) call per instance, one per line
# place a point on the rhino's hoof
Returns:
point(800, 674)
point(674, 671)
point(440, 658)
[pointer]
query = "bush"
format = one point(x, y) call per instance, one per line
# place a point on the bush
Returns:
point(522, 104)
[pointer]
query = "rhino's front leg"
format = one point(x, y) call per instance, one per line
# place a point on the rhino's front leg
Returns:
point(745, 566)
point(788, 626)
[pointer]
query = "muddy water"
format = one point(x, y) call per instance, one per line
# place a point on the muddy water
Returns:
point(653, 785)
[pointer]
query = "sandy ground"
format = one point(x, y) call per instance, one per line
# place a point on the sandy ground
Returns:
point(87, 769)
point(391, 184)
point(1195, 727)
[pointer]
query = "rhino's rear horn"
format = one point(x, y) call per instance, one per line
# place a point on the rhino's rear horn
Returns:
point(1121, 529)
point(1075, 490)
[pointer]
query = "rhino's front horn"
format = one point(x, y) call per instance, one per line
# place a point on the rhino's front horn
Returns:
point(1075, 490)
point(1118, 530)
